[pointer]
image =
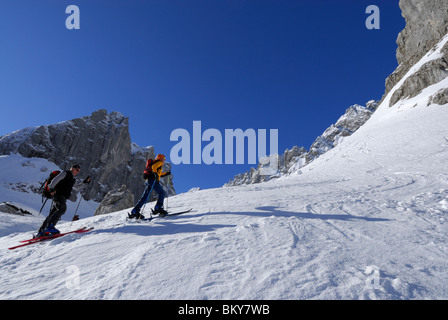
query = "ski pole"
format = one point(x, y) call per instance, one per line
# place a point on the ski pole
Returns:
point(168, 191)
point(79, 202)
point(86, 181)
point(40, 211)
point(149, 195)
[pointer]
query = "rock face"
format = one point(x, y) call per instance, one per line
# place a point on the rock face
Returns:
point(440, 98)
point(353, 118)
point(429, 73)
point(426, 25)
point(292, 160)
point(116, 200)
point(99, 143)
point(8, 207)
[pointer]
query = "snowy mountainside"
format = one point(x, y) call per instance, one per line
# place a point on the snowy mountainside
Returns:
point(366, 220)
point(410, 130)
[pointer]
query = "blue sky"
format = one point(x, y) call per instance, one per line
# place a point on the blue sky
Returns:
point(293, 65)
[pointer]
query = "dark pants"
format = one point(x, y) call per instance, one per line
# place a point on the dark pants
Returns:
point(58, 208)
point(158, 188)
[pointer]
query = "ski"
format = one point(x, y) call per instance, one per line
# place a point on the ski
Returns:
point(167, 215)
point(154, 217)
point(40, 239)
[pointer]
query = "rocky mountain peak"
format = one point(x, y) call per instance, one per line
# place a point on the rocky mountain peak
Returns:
point(99, 143)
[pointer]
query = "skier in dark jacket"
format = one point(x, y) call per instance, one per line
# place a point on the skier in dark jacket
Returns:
point(60, 188)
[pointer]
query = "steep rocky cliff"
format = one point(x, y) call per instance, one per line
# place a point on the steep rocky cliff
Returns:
point(99, 143)
point(426, 25)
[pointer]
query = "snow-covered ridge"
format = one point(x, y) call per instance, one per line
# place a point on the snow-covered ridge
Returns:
point(292, 160)
point(13, 140)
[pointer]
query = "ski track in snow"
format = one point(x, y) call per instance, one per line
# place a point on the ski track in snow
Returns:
point(303, 242)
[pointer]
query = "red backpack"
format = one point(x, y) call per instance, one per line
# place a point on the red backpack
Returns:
point(147, 174)
point(46, 189)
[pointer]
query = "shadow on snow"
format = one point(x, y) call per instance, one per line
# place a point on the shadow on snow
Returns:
point(166, 226)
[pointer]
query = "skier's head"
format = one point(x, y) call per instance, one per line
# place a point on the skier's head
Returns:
point(160, 157)
point(75, 169)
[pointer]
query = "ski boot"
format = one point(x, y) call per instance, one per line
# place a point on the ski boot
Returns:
point(160, 211)
point(49, 231)
point(135, 214)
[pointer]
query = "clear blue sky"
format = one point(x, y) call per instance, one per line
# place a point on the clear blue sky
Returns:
point(292, 65)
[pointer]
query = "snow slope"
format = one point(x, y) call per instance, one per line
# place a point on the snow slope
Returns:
point(366, 220)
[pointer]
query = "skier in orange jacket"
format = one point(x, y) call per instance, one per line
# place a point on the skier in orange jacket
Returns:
point(152, 174)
